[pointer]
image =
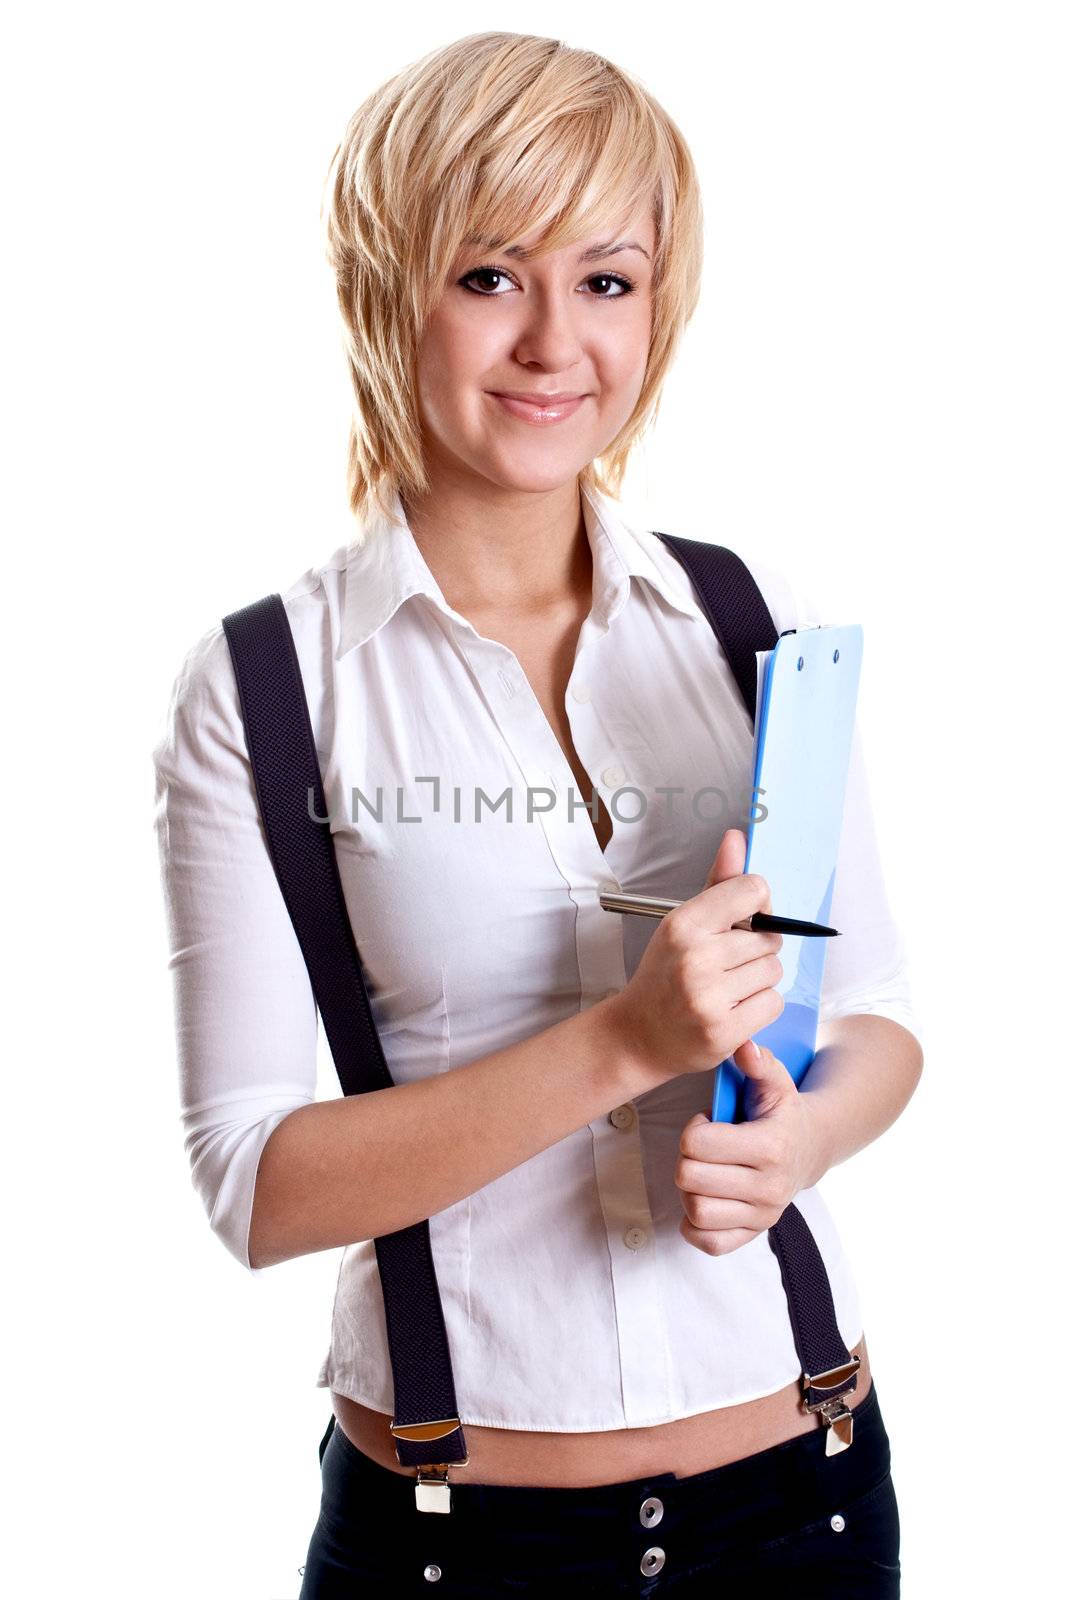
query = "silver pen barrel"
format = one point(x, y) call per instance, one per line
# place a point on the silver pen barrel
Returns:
point(652, 905)
point(642, 905)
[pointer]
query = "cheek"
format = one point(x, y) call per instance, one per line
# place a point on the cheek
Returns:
point(624, 374)
point(454, 355)
point(624, 356)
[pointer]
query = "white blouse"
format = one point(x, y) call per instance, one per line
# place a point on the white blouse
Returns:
point(571, 1300)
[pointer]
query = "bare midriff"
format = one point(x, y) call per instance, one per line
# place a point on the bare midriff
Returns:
point(583, 1460)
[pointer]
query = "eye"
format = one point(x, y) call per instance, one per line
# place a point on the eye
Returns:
point(616, 279)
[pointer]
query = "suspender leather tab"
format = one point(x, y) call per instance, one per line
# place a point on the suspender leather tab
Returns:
point(432, 1489)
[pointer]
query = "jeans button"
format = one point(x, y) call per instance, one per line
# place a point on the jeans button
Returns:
point(837, 1522)
point(652, 1561)
point(651, 1512)
point(432, 1572)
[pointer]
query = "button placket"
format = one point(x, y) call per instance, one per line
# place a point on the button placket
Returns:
point(642, 1333)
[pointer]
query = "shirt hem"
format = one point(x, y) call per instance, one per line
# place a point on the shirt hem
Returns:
point(348, 1388)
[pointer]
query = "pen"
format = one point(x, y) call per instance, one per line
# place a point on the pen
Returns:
point(650, 905)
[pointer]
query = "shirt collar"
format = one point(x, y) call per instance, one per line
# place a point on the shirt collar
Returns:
point(385, 568)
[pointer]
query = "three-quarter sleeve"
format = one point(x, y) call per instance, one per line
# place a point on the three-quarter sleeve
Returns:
point(244, 1010)
point(866, 967)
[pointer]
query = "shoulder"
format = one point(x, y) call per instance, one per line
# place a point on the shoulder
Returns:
point(788, 595)
point(204, 689)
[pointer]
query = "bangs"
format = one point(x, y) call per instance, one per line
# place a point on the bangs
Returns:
point(574, 179)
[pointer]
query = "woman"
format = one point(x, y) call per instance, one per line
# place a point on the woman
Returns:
point(516, 233)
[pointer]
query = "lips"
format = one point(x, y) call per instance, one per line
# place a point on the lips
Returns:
point(540, 409)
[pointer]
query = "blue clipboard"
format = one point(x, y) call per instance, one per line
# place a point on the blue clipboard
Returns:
point(807, 689)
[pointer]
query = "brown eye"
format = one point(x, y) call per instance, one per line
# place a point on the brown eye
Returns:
point(612, 279)
point(626, 287)
point(482, 272)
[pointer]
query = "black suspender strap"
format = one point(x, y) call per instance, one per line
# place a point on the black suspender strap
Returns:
point(743, 625)
point(289, 788)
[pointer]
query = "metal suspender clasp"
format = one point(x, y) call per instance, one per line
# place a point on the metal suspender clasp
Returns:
point(832, 1408)
point(432, 1489)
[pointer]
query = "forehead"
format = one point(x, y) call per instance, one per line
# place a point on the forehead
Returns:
point(631, 232)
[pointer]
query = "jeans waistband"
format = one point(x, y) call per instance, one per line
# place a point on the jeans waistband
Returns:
point(795, 1477)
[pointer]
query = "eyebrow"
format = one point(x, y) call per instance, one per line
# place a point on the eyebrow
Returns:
point(596, 252)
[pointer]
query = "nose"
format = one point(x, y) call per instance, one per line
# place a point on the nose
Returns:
point(549, 335)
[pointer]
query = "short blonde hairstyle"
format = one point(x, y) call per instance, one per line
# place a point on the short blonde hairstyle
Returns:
point(495, 135)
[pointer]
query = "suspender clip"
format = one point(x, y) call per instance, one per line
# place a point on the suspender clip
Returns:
point(831, 1407)
point(432, 1489)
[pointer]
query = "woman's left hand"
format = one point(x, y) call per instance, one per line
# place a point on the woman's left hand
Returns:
point(736, 1179)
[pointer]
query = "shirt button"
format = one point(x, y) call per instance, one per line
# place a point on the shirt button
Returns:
point(837, 1522)
point(580, 694)
point(613, 775)
point(651, 1511)
point(622, 1117)
point(635, 1238)
point(653, 1560)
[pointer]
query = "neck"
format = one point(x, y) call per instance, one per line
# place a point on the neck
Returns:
point(494, 549)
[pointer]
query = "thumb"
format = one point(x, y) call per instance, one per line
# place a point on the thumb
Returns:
point(767, 1075)
point(730, 858)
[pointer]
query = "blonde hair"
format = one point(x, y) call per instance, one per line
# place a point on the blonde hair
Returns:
point(494, 135)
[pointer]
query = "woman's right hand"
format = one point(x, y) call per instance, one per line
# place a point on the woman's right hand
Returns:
point(702, 987)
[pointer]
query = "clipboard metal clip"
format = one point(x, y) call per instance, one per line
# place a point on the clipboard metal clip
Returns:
point(832, 1408)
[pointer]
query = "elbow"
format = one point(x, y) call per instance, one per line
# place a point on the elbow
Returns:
point(258, 1255)
point(917, 1064)
point(907, 1053)
point(234, 1184)
point(262, 1249)
point(880, 1036)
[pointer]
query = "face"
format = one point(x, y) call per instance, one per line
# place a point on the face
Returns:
point(576, 322)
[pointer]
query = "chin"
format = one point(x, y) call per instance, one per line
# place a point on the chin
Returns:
point(533, 476)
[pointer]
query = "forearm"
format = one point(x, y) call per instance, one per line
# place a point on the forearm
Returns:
point(359, 1166)
point(864, 1072)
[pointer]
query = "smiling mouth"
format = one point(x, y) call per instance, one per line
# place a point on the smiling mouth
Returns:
point(538, 411)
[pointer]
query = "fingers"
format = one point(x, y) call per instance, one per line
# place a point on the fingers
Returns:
point(719, 1181)
point(740, 946)
point(723, 1145)
point(723, 904)
point(741, 983)
point(717, 1244)
point(757, 1012)
point(713, 1214)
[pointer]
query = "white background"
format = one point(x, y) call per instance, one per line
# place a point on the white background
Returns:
point(871, 393)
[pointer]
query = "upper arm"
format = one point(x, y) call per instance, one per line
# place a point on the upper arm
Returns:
point(244, 1010)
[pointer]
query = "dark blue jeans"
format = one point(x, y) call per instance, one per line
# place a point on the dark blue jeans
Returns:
point(790, 1521)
